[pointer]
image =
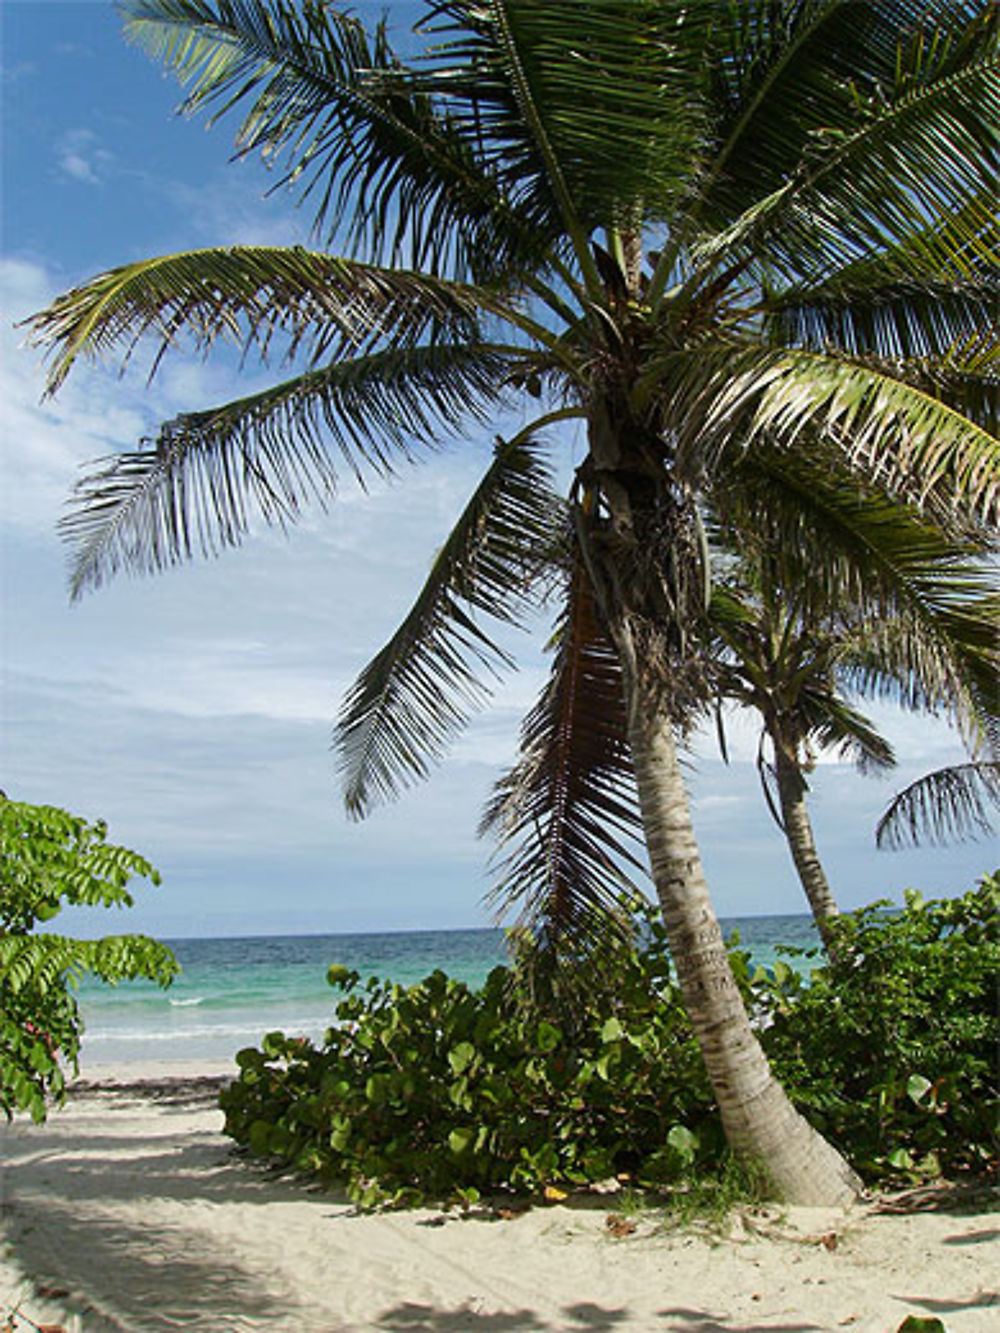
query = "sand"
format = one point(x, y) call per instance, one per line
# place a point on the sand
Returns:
point(128, 1211)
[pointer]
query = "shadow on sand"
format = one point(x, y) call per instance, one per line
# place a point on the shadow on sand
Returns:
point(585, 1317)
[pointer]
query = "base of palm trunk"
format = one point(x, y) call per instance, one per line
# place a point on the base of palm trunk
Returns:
point(798, 1165)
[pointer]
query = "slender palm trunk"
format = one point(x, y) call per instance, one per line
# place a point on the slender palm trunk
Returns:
point(801, 843)
point(760, 1122)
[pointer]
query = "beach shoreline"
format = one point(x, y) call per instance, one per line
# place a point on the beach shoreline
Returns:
point(129, 1212)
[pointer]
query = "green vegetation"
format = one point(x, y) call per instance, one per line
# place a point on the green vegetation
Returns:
point(48, 860)
point(438, 1091)
point(747, 251)
point(892, 1047)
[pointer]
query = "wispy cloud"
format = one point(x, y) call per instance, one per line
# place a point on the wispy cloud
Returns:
point(82, 158)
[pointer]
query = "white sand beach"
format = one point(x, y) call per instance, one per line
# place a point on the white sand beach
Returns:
point(129, 1211)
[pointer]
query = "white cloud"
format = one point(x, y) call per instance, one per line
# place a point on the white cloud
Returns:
point(81, 158)
point(225, 679)
point(233, 208)
point(48, 441)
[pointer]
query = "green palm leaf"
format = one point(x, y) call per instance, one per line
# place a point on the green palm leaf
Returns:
point(916, 613)
point(784, 74)
point(900, 320)
point(904, 149)
point(964, 388)
point(356, 136)
point(555, 88)
point(315, 305)
point(566, 816)
point(780, 653)
point(943, 660)
point(920, 449)
point(947, 805)
point(834, 725)
point(418, 692)
point(209, 473)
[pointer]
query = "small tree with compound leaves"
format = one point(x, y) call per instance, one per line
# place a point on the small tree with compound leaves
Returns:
point(50, 859)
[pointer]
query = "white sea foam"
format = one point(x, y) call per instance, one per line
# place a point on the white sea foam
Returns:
point(310, 1026)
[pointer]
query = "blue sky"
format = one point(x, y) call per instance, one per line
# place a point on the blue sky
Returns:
point(193, 711)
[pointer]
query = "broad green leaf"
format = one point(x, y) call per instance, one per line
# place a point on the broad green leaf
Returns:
point(917, 1087)
point(612, 1030)
point(460, 1057)
point(459, 1140)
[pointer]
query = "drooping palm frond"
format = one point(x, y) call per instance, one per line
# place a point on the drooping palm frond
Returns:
point(207, 474)
point(833, 724)
point(780, 653)
point(961, 383)
point(311, 304)
point(946, 664)
point(418, 692)
point(945, 806)
point(892, 321)
point(890, 433)
point(919, 609)
point(340, 112)
point(566, 816)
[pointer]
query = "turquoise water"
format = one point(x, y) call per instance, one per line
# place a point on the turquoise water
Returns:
point(231, 991)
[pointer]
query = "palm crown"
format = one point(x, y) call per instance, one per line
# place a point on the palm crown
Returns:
point(753, 248)
point(778, 650)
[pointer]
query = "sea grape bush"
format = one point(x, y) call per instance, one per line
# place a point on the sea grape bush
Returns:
point(891, 1048)
point(436, 1090)
point(440, 1091)
point(50, 859)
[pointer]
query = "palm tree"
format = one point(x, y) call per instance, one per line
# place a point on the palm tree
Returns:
point(784, 666)
point(750, 247)
point(795, 662)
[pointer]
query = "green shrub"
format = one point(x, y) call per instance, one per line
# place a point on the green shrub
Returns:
point(49, 859)
point(891, 1049)
point(439, 1091)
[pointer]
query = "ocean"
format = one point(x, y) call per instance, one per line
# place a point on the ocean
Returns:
point(231, 991)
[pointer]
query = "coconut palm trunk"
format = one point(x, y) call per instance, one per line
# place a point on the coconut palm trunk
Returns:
point(762, 1126)
point(801, 843)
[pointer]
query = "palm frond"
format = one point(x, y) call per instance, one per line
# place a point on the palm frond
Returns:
point(916, 612)
point(779, 653)
point(783, 73)
point(353, 134)
point(948, 805)
point(316, 305)
point(908, 146)
point(418, 692)
point(944, 662)
point(892, 434)
point(834, 725)
point(566, 816)
point(581, 107)
point(967, 380)
point(207, 474)
point(893, 321)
